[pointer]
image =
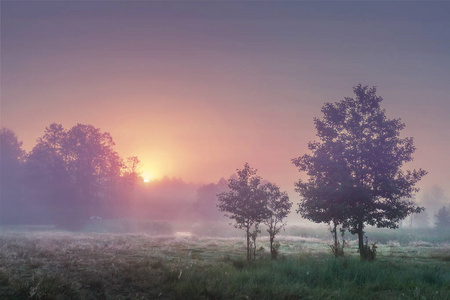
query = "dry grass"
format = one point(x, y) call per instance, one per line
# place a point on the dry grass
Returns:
point(64, 265)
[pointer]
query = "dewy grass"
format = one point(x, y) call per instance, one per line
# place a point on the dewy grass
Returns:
point(62, 265)
point(316, 277)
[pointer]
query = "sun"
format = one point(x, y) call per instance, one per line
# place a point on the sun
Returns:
point(146, 176)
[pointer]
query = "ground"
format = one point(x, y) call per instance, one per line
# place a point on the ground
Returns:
point(66, 265)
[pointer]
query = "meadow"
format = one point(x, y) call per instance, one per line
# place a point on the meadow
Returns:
point(53, 264)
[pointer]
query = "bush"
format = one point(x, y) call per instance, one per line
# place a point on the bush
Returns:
point(275, 250)
point(338, 249)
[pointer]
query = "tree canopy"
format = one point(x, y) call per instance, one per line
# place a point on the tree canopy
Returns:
point(250, 202)
point(278, 207)
point(355, 169)
point(77, 168)
point(244, 202)
point(11, 161)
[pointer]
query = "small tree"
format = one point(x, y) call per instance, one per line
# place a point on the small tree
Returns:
point(131, 177)
point(442, 218)
point(359, 161)
point(245, 203)
point(278, 207)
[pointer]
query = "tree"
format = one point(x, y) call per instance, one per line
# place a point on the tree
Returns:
point(79, 166)
point(278, 207)
point(131, 177)
point(442, 218)
point(324, 200)
point(358, 161)
point(245, 202)
point(11, 176)
point(93, 163)
point(48, 180)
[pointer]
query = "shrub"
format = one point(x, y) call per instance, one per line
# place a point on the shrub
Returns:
point(337, 249)
point(275, 250)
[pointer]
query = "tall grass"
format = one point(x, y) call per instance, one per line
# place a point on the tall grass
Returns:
point(313, 277)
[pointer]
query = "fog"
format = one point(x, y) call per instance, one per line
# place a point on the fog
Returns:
point(73, 179)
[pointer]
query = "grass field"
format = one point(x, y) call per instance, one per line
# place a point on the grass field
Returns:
point(63, 265)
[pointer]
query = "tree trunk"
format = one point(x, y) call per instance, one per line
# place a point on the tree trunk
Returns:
point(272, 254)
point(335, 238)
point(248, 243)
point(361, 242)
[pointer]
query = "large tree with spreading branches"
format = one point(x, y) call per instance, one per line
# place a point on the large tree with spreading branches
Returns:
point(356, 175)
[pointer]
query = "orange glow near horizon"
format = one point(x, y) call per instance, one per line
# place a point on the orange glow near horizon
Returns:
point(147, 176)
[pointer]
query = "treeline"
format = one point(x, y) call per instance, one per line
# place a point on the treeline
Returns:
point(74, 175)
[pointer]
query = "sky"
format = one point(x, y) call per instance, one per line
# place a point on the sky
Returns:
point(196, 89)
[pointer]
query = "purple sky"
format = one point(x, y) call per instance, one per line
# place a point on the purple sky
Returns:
point(196, 89)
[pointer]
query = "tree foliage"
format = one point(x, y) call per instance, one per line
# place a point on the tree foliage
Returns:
point(11, 175)
point(78, 168)
point(355, 169)
point(250, 202)
point(131, 177)
point(278, 207)
point(244, 202)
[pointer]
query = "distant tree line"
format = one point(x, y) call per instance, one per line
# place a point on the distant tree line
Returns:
point(69, 175)
point(74, 175)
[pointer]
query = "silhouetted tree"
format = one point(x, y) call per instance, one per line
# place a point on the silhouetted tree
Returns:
point(131, 177)
point(48, 180)
point(278, 207)
point(245, 202)
point(324, 200)
point(442, 218)
point(361, 153)
point(11, 176)
point(92, 162)
point(79, 166)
